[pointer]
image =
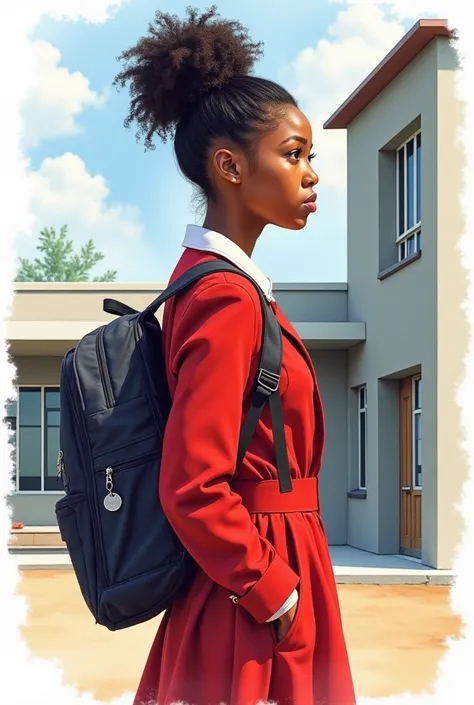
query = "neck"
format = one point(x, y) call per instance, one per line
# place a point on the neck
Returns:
point(233, 225)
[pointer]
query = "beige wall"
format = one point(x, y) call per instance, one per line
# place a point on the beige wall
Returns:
point(41, 371)
point(76, 302)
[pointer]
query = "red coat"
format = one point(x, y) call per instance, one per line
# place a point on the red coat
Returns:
point(209, 650)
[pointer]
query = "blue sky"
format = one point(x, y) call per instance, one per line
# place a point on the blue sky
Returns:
point(88, 171)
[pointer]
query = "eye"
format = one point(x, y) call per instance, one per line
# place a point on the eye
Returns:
point(295, 153)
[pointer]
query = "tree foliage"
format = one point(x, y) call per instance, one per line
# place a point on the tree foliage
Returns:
point(59, 262)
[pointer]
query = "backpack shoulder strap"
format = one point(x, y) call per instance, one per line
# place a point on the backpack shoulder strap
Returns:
point(268, 376)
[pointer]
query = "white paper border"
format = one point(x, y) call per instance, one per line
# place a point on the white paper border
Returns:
point(30, 680)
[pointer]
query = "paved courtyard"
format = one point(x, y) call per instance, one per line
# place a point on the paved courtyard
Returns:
point(395, 635)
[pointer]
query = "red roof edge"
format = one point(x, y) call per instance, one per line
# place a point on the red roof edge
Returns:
point(403, 53)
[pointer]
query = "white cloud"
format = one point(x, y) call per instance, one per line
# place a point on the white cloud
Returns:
point(56, 97)
point(94, 11)
point(325, 75)
point(403, 9)
point(62, 192)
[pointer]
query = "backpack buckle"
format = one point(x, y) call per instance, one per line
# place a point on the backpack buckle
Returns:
point(268, 381)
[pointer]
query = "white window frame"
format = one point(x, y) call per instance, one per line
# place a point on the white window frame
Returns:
point(416, 412)
point(415, 230)
point(42, 491)
point(361, 411)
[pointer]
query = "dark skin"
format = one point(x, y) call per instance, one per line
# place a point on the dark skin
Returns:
point(272, 190)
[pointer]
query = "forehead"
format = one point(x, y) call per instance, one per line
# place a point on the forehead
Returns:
point(293, 123)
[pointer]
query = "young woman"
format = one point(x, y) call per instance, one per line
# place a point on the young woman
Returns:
point(261, 619)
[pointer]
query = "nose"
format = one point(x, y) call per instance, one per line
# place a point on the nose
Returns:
point(310, 178)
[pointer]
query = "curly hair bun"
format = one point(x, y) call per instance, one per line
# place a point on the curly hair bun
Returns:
point(177, 63)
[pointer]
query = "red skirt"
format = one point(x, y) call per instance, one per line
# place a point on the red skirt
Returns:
point(210, 651)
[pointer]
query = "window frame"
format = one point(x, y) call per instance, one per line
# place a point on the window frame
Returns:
point(415, 230)
point(361, 410)
point(43, 388)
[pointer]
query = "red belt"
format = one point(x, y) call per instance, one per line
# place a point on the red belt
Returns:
point(264, 496)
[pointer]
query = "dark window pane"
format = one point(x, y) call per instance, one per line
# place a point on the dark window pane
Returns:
point(411, 245)
point(418, 394)
point(402, 249)
point(51, 451)
point(30, 458)
point(53, 484)
point(418, 463)
point(418, 178)
point(52, 418)
point(30, 407)
point(51, 398)
point(362, 397)
point(29, 484)
point(401, 191)
point(362, 447)
point(410, 185)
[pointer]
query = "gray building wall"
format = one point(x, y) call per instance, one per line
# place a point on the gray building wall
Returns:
point(401, 311)
point(37, 509)
point(331, 371)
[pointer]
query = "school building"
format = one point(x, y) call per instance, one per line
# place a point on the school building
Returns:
point(388, 345)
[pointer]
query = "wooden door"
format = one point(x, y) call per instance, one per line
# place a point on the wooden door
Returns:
point(410, 466)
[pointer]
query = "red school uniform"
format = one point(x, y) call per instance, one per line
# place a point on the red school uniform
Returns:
point(247, 539)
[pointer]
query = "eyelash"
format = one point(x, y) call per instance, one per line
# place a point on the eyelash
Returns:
point(296, 154)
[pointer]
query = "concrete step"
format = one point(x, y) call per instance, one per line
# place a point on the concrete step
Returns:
point(36, 537)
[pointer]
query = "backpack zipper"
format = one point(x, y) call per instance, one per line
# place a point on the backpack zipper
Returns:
point(91, 500)
point(104, 375)
point(61, 471)
point(129, 464)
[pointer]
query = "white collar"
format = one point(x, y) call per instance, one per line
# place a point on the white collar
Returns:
point(198, 238)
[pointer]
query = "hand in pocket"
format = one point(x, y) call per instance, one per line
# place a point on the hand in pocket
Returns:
point(284, 623)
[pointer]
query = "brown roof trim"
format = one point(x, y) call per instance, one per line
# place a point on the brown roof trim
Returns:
point(419, 36)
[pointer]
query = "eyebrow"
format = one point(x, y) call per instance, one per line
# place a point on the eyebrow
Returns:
point(296, 138)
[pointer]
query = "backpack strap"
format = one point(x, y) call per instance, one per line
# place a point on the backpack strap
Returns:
point(117, 308)
point(268, 377)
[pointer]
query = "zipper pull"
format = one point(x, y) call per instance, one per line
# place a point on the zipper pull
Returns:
point(112, 501)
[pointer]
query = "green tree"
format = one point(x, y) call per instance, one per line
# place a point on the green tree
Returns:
point(59, 262)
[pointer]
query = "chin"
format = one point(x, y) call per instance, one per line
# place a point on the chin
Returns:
point(295, 224)
point(299, 224)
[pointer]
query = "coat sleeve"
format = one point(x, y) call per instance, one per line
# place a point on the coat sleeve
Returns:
point(212, 346)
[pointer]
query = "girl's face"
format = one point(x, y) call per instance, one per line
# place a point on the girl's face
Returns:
point(276, 187)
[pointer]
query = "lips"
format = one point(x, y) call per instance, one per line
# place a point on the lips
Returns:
point(310, 203)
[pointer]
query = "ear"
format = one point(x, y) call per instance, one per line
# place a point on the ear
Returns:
point(227, 165)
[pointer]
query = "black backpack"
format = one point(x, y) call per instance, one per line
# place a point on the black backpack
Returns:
point(115, 401)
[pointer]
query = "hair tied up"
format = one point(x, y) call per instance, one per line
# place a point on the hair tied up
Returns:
point(177, 63)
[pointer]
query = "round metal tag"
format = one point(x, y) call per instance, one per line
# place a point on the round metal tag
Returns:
point(112, 502)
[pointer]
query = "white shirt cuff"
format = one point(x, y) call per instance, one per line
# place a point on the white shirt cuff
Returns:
point(287, 605)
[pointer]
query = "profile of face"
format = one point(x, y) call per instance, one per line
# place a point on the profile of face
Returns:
point(275, 184)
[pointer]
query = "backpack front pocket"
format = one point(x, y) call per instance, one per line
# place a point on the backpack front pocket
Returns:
point(74, 523)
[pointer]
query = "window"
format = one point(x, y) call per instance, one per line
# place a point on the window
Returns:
point(417, 434)
point(34, 420)
point(362, 437)
point(409, 197)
